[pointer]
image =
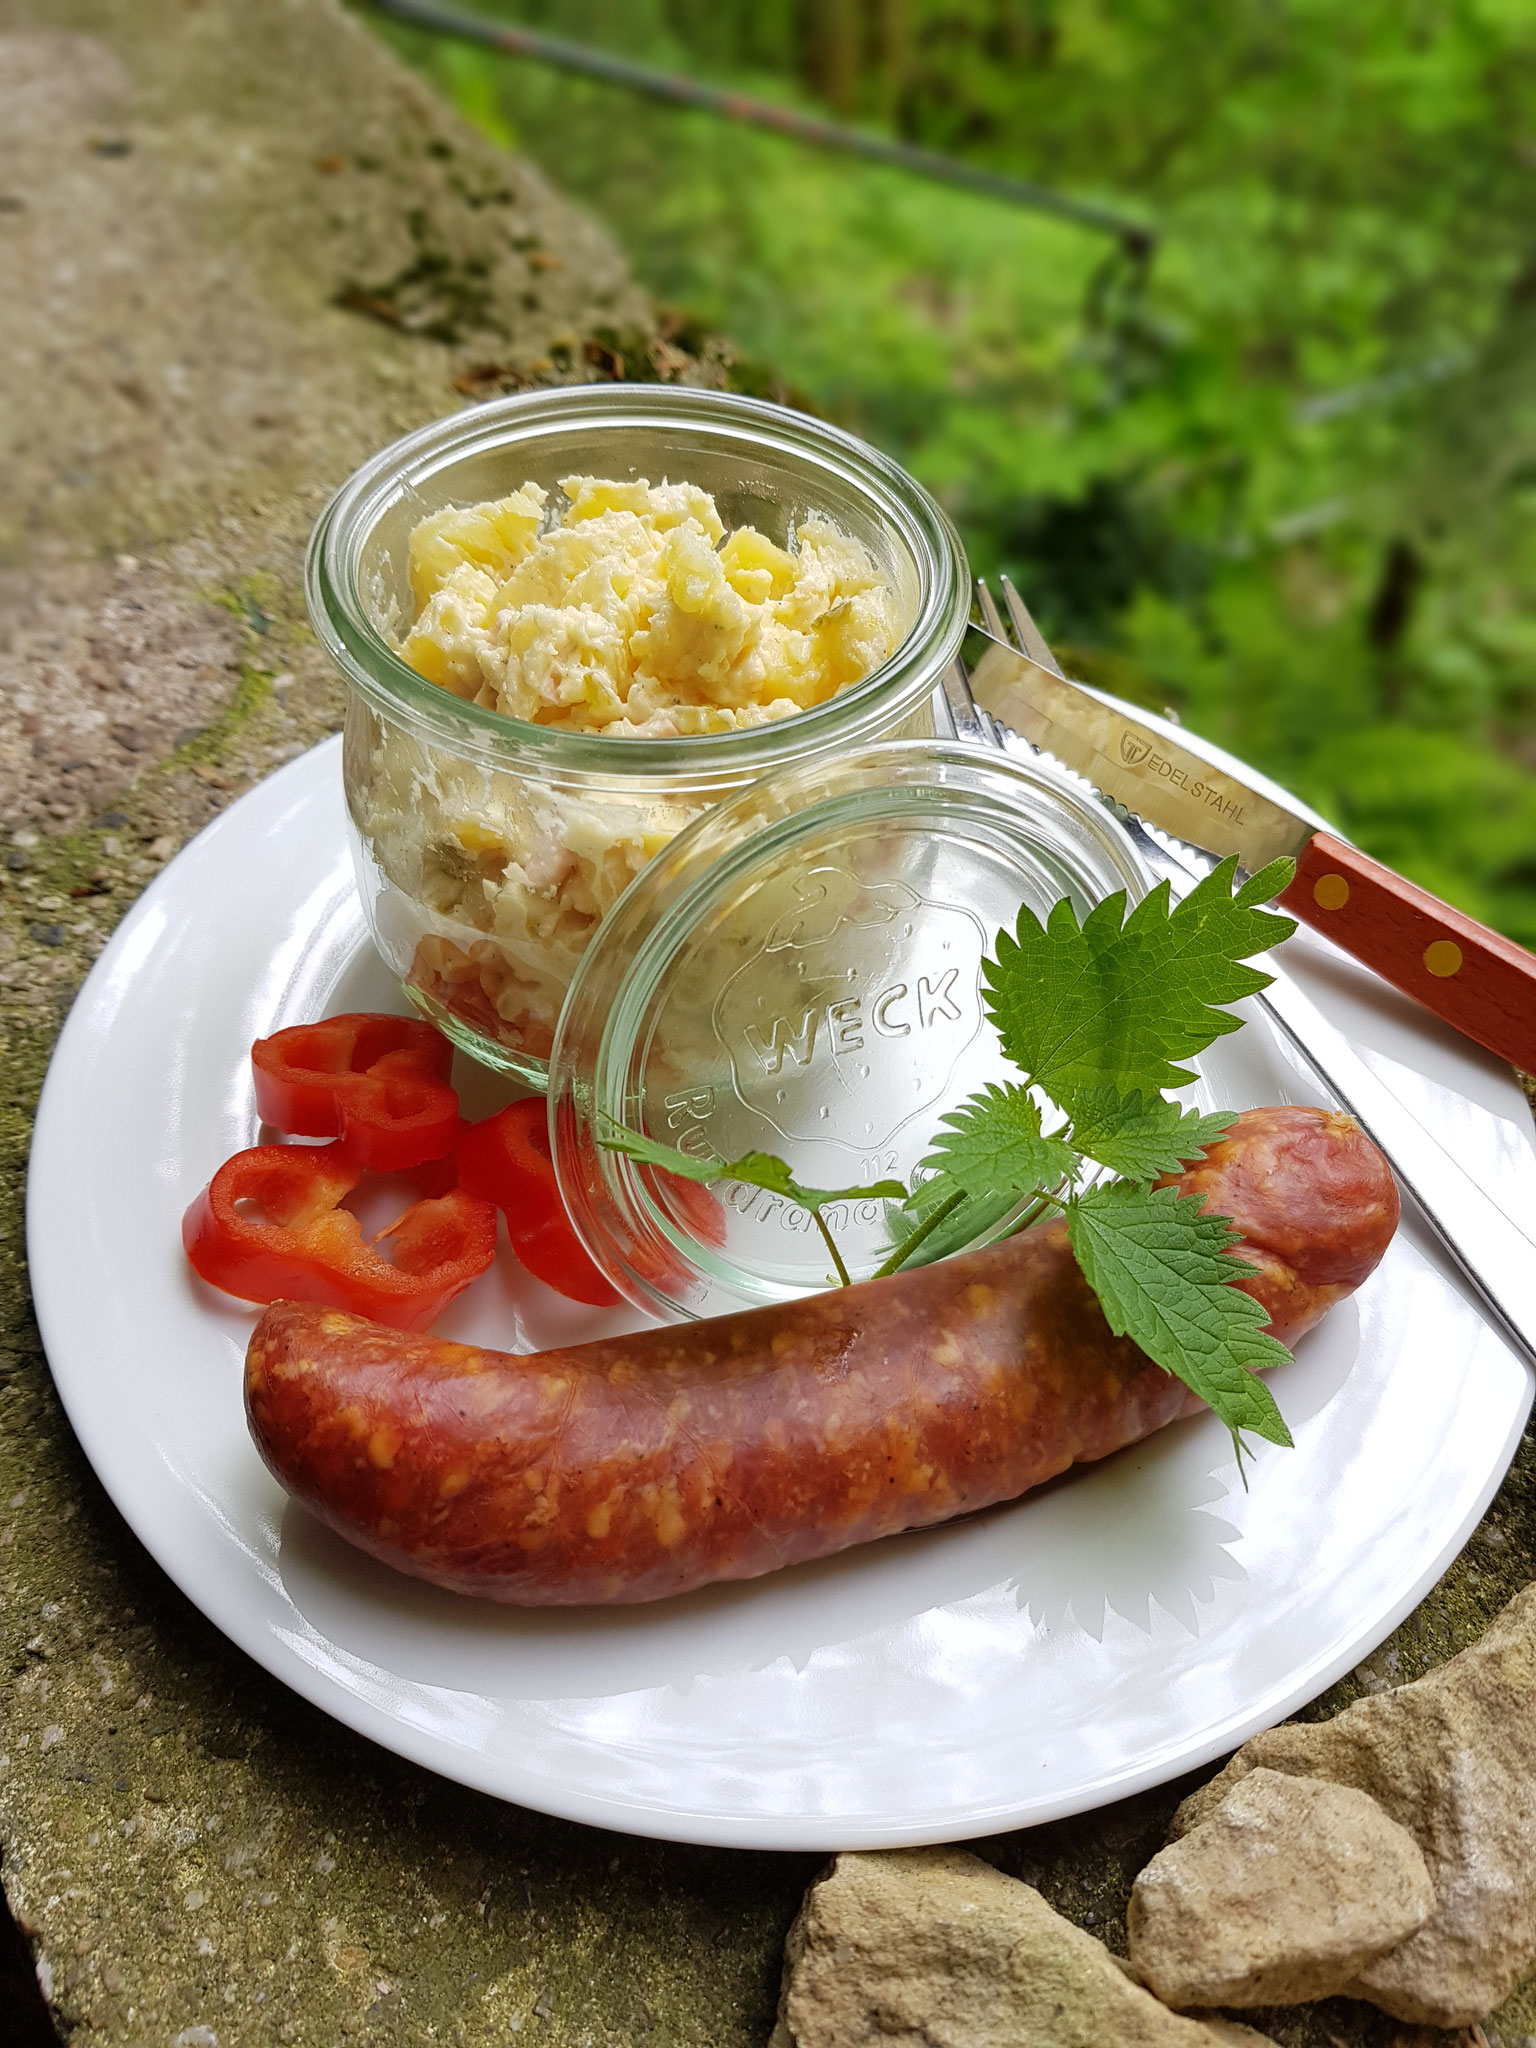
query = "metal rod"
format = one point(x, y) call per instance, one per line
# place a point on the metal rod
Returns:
point(1138, 238)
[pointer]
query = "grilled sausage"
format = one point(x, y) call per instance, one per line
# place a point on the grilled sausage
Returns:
point(649, 1464)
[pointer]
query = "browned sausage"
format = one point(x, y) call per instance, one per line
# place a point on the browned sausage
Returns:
point(645, 1465)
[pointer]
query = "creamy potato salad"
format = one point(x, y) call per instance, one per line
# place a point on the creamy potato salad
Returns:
point(636, 616)
point(631, 615)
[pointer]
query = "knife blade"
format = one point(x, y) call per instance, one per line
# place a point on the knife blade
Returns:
point(1476, 980)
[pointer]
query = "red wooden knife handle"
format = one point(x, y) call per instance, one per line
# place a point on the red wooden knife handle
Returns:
point(1483, 984)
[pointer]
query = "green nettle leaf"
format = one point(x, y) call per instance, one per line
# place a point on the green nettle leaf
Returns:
point(1142, 1136)
point(756, 1169)
point(1115, 1001)
point(1163, 1276)
point(993, 1143)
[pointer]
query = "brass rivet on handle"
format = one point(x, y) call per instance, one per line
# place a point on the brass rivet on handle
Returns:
point(1330, 892)
point(1443, 958)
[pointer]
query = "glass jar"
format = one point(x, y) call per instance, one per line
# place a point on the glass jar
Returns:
point(489, 849)
point(801, 973)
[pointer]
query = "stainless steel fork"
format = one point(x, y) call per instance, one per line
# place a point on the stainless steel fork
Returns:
point(1492, 1252)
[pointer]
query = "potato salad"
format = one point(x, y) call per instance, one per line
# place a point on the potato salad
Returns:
point(636, 616)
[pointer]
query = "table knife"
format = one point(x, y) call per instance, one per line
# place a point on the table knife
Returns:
point(1476, 980)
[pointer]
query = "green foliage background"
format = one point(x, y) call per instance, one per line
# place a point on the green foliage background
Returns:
point(1286, 480)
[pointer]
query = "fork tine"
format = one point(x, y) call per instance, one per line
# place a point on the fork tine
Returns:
point(992, 618)
point(1028, 634)
point(969, 720)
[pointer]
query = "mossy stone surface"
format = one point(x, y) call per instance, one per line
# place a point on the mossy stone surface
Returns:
point(253, 249)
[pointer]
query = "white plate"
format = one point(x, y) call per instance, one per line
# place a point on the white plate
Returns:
point(1124, 1625)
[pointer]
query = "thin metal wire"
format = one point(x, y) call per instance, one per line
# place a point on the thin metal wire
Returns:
point(1138, 238)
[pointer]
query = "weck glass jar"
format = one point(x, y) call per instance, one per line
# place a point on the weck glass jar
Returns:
point(802, 973)
point(489, 848)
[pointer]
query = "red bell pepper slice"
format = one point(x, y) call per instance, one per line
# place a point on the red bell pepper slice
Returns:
point(378, 1083)
point(269, 1227)
point(506, 1158)
point(691, 1203)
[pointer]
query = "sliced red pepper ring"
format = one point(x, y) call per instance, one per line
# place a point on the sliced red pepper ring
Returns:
point(506, 1159)
point(378, 1083)
point(269, 1226)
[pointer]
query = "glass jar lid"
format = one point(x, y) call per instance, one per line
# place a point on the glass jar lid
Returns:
point(799, 972)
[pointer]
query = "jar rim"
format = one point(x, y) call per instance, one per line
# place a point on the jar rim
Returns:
point(354, 642)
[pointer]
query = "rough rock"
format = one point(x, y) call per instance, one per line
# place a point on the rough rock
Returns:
point(1451, 1758)
point(932, 1948)
point(243, 248)
point(1283, 1895)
